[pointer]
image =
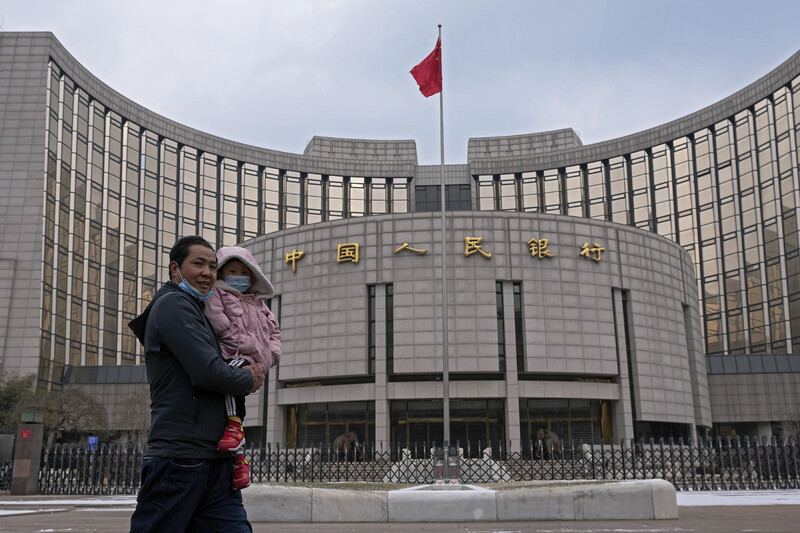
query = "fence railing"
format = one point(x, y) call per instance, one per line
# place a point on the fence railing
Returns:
point(77, 469)
point(709, 464)
point(6, 462)
point(5, 475)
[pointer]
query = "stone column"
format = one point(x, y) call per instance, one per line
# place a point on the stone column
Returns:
point(622, 411)
point(27, 459)
point(382, 423)
point(276, 414)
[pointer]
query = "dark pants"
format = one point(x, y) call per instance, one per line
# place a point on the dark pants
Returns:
point(179, 495)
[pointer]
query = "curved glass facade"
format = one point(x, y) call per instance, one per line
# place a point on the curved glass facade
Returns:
point(121, 184)
point(728, 194)
point(118, 195)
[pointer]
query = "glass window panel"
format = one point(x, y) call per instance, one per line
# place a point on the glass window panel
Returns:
point(335, 197)
point(551, 184)
point(399, 196)
point(292, 188)
point(713, 334)
point(314, 188)
point(357, 197)
point(508, 192)
point(702, 151)
point(722, 138)
point(777, 327)
point(378, 196)
point(529, 186)
point(595, 178)
point(230, 177)
point(486, 196)
point(619, 189)
point(574, 191)
point(458, 198)
point(271, 200)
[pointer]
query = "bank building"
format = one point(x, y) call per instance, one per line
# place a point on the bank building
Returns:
point(642, 287)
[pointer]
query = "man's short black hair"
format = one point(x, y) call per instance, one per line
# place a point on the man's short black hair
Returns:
point(180, 250)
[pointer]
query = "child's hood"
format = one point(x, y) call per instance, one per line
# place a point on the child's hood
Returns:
point(261, 286)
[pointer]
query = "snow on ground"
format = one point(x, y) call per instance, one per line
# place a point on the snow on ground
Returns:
point(84, 502)
point(738, 497)
point(11, 512)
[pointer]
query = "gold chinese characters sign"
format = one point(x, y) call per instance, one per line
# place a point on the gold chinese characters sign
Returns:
point(347, 252)
point(293, 257)
point(408, 247)
point(539, 248)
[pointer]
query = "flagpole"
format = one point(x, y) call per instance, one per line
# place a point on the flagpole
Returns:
point(445, 363)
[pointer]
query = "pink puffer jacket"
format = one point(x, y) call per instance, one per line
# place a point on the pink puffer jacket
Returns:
point(244, 324)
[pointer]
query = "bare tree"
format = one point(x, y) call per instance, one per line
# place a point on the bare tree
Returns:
point(135, 417)
point(68, 410)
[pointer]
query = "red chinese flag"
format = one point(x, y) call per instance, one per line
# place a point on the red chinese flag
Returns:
point(428, 74)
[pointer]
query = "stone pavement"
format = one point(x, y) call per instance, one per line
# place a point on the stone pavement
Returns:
point(85, 514)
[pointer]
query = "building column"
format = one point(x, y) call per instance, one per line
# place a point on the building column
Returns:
point(513, 436)
point(622, 412)
point(276, 415)
point(382, 422)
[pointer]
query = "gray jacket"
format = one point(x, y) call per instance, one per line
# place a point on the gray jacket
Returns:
point(188, 378)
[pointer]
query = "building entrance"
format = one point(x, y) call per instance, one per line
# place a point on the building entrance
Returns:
point(474, 425)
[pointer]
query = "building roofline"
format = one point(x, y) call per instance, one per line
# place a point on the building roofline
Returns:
point(47, 45)
point(721, 110)
point(403, 163)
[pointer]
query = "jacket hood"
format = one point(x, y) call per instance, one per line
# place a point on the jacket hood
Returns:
point(261, 286)
point(138, 324)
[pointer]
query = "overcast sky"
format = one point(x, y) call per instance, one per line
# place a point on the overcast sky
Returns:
point(275, 73)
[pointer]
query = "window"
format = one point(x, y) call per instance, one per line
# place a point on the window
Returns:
point(458, 198)
point(371, 329)
point(389, 328)
point(501, 327)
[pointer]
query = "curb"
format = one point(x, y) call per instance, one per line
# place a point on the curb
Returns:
point(618, 500)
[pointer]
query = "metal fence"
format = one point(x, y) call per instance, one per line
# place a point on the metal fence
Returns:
point(77, 469)
point(7, 441)
point(5, 475)
point(710, 464)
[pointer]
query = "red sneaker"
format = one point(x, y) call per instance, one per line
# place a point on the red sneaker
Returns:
point(232, 438)
point(241, 473)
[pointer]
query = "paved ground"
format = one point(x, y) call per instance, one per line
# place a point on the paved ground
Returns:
point(743, 512)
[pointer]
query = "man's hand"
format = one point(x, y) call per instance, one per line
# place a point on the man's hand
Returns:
point(259, 373)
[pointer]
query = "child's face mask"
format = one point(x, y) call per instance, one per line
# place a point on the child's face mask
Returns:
point(239, 283)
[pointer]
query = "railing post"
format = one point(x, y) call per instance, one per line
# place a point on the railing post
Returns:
point(783, 467)
point(738, 451)
point(768, 455)
point(719, 457)
point(793, 448)
point(692, 449)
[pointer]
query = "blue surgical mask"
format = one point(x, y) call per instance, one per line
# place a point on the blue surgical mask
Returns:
point(239, 283)
point(191, 291)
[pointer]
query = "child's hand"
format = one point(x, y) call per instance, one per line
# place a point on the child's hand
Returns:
point(259, 373)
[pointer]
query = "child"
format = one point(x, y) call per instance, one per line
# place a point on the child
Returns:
point(248, 333)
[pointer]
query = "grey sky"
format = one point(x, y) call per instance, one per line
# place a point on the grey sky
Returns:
point(275, 73)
